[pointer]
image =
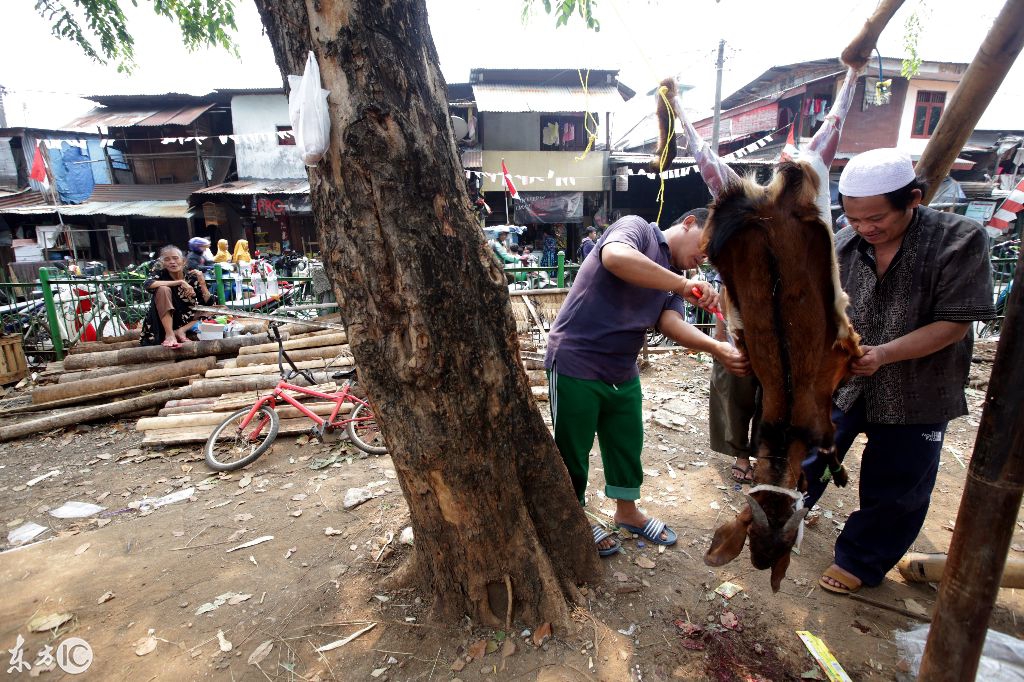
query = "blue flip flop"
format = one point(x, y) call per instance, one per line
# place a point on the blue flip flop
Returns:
point(652, 532)
point(600, 535)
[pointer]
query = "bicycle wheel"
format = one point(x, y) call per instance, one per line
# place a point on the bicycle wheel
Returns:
point(230, 447)
point(365, 433)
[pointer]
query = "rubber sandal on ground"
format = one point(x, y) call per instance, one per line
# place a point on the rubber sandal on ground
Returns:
point(652, 531)
point(742, 476)
point(600, 535)
point(838, 576)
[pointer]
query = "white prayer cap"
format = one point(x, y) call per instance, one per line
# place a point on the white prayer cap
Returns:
point(876, 172)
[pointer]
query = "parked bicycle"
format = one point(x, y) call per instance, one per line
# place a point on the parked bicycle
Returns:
point(246, 434)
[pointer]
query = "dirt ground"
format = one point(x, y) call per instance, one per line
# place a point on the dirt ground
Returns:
point(318, 580)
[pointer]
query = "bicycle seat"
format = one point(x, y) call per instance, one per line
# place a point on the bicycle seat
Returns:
point(344, 374)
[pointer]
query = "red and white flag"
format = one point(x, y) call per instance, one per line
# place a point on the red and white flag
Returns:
point(39, 168)
point(790, 151)
point(508, 181)
point(1008, 211)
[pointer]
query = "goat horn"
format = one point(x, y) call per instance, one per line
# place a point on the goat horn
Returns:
point(793, 524)
point(760, 518)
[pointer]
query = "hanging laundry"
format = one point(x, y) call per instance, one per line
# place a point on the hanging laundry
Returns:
point(569, 134)
point(550, 134)
point(472, 126)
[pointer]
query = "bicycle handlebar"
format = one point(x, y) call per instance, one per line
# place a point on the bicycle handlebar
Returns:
point(275, 333)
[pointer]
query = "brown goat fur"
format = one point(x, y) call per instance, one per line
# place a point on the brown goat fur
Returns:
point(666, 126)
point(777, 261)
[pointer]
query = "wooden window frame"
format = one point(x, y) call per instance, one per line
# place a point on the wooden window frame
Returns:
point(930, 104)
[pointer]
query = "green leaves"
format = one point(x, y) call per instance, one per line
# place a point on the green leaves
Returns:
point(564, 11)
point(100, 28)
point(911, 36)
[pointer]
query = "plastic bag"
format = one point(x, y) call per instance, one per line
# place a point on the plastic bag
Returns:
point(307, 109)
point(1002, 657)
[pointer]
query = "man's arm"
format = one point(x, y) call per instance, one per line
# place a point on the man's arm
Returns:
point(633, 267)
point(672, 324)
point(917, 344)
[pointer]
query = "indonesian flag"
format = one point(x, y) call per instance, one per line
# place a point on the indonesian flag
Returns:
point(508, 181)
point(39, 168)
point(1008, 211)
point(789, 152)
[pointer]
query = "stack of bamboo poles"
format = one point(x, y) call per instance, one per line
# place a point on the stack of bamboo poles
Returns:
point(117, 377)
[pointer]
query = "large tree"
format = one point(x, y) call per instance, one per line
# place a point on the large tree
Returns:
point(429, 319)
point(499, 533)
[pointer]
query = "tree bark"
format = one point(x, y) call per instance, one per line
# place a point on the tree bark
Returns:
point(429, 321)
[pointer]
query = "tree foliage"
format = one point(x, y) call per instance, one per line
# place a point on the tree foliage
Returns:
point(100, 27)
point(564, 11)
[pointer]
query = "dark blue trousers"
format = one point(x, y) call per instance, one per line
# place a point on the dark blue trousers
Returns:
point(897, 475)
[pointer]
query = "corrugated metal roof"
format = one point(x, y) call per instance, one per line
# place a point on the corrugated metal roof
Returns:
point(472, 158)
point(125, 118)
point(258, 186)
point(179, 191)
point(26, 197)
point(140, 209)
point(553, 99)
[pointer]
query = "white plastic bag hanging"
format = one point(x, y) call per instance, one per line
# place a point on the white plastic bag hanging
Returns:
point(307, 109)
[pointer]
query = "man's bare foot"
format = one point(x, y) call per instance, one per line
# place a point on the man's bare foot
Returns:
point(626, 513)
point(170, 343)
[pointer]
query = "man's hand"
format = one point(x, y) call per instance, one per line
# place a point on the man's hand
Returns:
point(867, 364)
point(708, 296)
point(734, 360)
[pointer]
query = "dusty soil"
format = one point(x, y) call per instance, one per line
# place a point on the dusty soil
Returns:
point(309, 588)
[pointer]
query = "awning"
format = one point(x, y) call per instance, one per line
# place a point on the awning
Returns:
point(139, 209)
point(256, 186)
point(472, 158)
point(179, 191)
point(25, 197)
point(125, 118)
point(550, 99)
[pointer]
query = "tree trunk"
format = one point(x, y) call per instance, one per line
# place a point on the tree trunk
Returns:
point(429, 321)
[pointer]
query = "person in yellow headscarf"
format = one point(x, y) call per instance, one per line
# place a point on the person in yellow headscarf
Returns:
point(242, 252)
point(223, 256)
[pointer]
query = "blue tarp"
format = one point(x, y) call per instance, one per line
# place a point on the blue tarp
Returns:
point(73, 179)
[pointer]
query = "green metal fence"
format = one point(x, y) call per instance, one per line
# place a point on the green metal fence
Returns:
point(1002, 276)
point(59, 311)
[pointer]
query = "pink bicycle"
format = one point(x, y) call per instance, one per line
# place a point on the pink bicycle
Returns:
point(246, 434)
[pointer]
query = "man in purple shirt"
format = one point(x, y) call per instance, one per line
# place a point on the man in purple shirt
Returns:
point(634, 282)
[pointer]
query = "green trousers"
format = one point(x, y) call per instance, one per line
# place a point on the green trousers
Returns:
point(582, 408)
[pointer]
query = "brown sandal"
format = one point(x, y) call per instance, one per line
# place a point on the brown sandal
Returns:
point(841, 577)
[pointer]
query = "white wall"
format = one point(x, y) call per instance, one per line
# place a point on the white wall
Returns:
point(263, 157)
point(915, 145)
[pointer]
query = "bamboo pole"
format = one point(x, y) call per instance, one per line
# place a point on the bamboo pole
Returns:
point(973, 95)
point(107, 371)
point(300, 355)
point(88, 414)
point(89, 389)
point(127, 356)
point(988, 512)
point(298, 341)
point(335, 365)
point(213, 418)
point(206, 388)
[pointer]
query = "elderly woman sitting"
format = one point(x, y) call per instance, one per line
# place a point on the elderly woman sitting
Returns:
point(176, 293)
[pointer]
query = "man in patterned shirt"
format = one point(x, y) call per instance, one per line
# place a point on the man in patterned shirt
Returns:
point(917, 279)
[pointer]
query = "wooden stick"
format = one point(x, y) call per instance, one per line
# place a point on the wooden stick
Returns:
point(205, 388)
point(858, 52)
point(200, 434)
point(107, 371)
point(889, 607)
point(95, 346)
point(100, 395)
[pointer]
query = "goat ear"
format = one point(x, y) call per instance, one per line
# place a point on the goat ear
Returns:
point(779, 571)
point(729, 540)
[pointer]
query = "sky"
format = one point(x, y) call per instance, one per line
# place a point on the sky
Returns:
point(647, 40)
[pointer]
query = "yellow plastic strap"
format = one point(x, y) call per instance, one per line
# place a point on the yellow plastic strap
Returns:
point(824, 657)
point(664, 152)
